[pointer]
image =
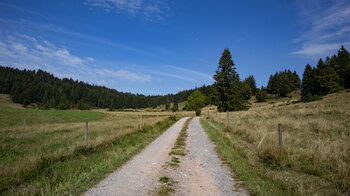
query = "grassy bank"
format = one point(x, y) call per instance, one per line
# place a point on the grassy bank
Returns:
point(48, 155)
point(315, 159)
point(75, 172)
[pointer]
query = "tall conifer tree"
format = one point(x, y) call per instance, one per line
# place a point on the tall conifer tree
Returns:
point(250, 80)
point(307, 83)
point(343, 67)
point(327, 80)
point(226, 94)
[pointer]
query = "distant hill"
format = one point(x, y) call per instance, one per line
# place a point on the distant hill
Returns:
point(47, 91)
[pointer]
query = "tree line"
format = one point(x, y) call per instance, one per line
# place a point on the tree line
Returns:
point(329, 76)
point(47, 91)
point(283, 82)
point(228, 92)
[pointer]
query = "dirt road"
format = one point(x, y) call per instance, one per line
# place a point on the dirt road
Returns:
point(140, 175)
point(201, 172)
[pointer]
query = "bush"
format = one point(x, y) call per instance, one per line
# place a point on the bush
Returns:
point(261, 96)
point(173, 118)
point(309, 97)
point(83, 106)
point(62, 106)
point(175, 107)
point(198, 112)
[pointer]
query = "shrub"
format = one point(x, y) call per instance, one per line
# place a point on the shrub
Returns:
point(198, 112)
point(62, 106)
point(172, 117)
point(175, 107)
point(83, 106)
point(261, 96)
point(309, 97)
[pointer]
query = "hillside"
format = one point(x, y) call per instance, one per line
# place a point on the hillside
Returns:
point(44, 90)
point(6, 102)
point(315, 157)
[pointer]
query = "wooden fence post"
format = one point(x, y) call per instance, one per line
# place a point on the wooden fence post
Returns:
point(24, 123)
point(280, 135)
point(141, 122)
point(228, 120)
point(86, 131)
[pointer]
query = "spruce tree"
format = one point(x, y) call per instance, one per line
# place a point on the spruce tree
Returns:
point(327, 79)
point(343, 67)
point(296, 80)
point(226, 94)
point(245, 89)
point(284, 82)
point(250, 80)
point(307, 83)
point(175, 107)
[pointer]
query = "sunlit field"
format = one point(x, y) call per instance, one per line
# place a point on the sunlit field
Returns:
point(315, 158)
point(50, 137)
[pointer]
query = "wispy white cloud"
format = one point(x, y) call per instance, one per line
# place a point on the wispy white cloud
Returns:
point(3, 4)
point(26, 37)
point(125, 75)
point(176, 76)
point(328, 23)
point(76, 35)
point(90, 59)
point(24, 51)
point(191, 72)
point(316, 49)
point(149, 9)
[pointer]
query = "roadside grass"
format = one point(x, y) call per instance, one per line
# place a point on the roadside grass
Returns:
point(48, 155)
point(179, 148)
point(315, 159)
point(75, 172)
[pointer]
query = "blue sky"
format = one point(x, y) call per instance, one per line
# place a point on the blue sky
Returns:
point(162, 46)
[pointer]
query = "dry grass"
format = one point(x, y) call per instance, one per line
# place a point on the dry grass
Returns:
point(23, 148)
point(6, 102)
point(316, 141)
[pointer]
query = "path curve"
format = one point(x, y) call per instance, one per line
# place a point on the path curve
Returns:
point(140, 175)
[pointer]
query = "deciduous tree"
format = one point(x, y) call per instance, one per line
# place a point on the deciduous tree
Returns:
point(195, 102)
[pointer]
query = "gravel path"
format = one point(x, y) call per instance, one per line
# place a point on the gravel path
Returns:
point(140, 175)
point(201, 172)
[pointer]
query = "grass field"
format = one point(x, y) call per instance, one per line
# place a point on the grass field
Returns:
point(48, 155)
point(315, 159)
